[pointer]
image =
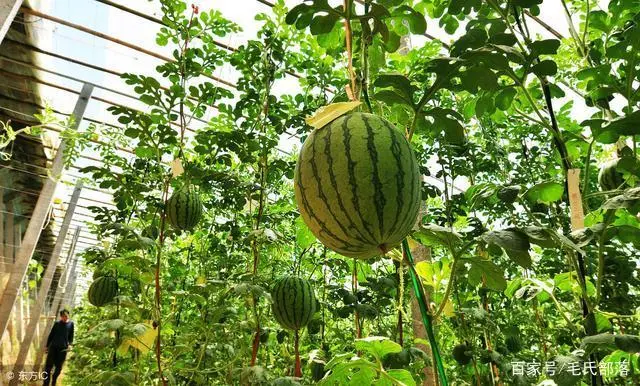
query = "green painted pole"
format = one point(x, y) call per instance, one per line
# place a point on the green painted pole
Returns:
point(426, 317)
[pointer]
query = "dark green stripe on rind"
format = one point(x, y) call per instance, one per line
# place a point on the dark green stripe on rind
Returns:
point(292, 300)
point(400, 178)
point(328, 134)
point(351, 165)
point(377, 184)
point(336, 242)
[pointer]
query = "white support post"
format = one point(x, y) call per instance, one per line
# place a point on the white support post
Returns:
point(38, 219)
point(69, 284)
point(70, 299)
point(8, 11)
point(43, 291)
point(55, 300)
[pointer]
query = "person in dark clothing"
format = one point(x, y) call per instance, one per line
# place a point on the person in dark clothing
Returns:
point(58, 344)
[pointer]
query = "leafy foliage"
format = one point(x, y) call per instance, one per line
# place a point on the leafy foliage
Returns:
point(493, 116)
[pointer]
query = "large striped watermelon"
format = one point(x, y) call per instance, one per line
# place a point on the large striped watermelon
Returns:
point(294, 302)
point(357, 185)
point(609, 178)
point(184, 208)
point(102, 290)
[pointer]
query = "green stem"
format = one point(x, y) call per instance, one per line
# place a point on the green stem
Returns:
point(564, 316)
point(426, 317)
point(587, 172)
point(607, 220)
point(447, 291)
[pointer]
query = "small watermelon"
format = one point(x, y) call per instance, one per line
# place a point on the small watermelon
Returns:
point(609, 178)
point(103, 290)
point(358, 185)
point(294, 302)
point(184, 208)
point(513, 343)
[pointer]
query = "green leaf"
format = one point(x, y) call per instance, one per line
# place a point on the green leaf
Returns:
point(485, 105)
point(391, 97)
point(508, 194)
point(504, 39)
point(323, 24)
point(597, 322)
point(493, 275)
point(514, 242)
point(145, 152)
point(504, 98)
point(296, 12)
point(435, 234)
point(304, 237)
point(540, 236)
point(392, 42)
point(399, 83)
point(545, 68)
point(479, 77)
point(545, 192)
point(363, 376)
point(113, 324)
point(416, 21)
point(628, 343)
point(424, 269)
point(449, 121)
point(598, 342)
point(628, 125)
point(512, 287)
point(544, 47)
point(378, 346)
point(401, 375)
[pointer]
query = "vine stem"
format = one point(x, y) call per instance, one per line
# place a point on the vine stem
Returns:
point(157, 279)
point(354, 289)
point(426, 317)
point(365, 61)
point(348, 38)
point(449, 288)
point(454, 264)
point(263, 164)
point(608, 219)
point(400, 273)
point(485, 304)
point(298, 368)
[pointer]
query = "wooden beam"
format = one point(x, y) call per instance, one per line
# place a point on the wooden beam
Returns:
point(38, 219)
point(71, 262)
point(45, 284)
point(8, 11)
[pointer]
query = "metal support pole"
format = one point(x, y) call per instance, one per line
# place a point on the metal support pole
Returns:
point(55, 300)
point(8, 11)
point(38, 219)
point(36, 311)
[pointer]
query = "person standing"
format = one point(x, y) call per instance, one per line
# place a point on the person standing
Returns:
point(58, 344)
